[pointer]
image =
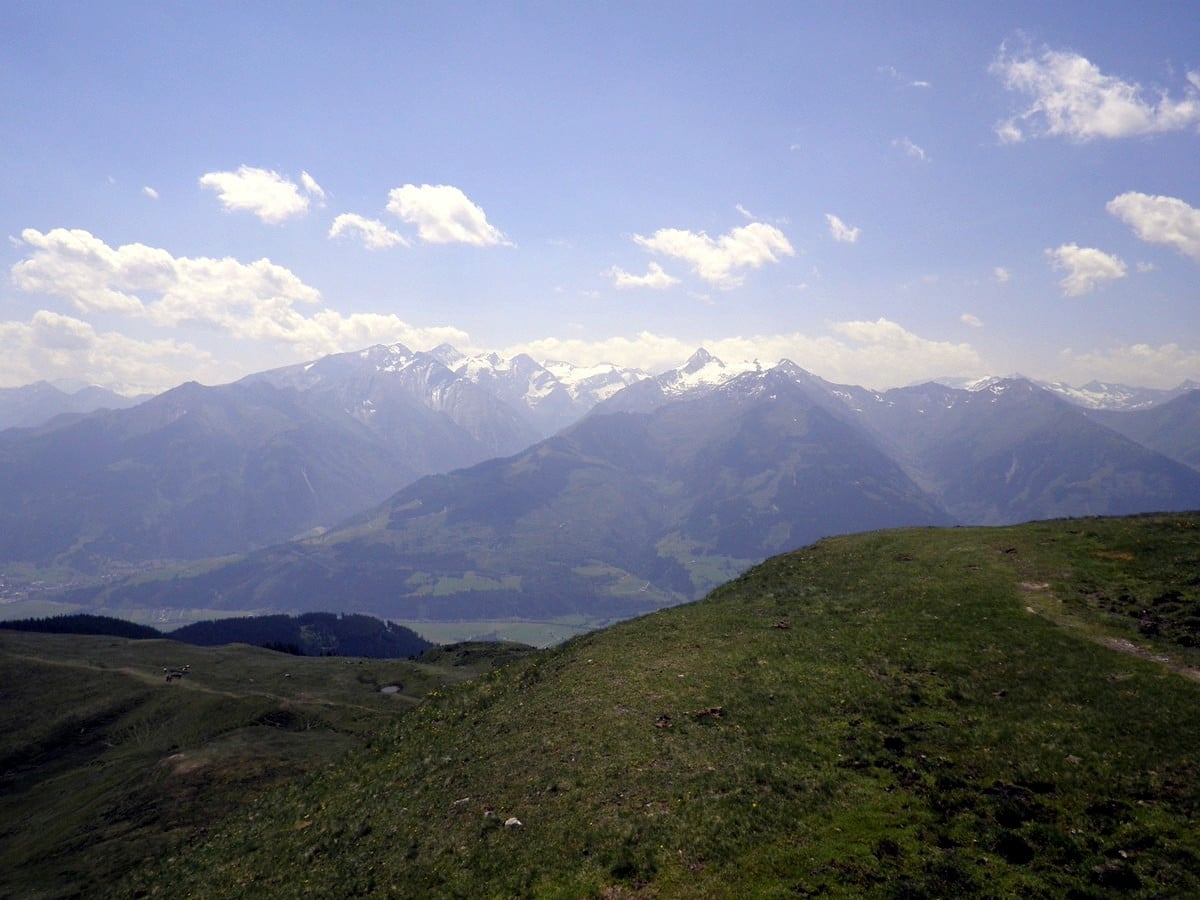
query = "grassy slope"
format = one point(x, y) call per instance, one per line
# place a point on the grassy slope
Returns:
point(911, 713)
point(103, 764)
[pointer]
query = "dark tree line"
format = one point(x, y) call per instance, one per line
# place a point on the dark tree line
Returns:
point(311, 634)
point(83, 623)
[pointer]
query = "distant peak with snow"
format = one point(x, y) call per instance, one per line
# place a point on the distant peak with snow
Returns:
point(702, 371)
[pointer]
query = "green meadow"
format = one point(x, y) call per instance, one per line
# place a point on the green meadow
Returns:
point(982, 712)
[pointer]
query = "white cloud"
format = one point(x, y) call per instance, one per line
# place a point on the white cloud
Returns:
point(911, 149)
point(52, 345)
point(331, 332)
point(1164, 366)
point(267, 194)
point(1086, 268)
point(894, 348)
point(655, 278)
point(893, 73)
point(714, 260)
point(1160, 220)
point(311, 187)
point(840, 230)
point(1070, 97)
point(374, 234)
point(443, 214)
point(1001, 274)
point(252, 301)
point(258, 303)
point(91, 275)
point(878, 354)
point(150, 192)
point(1008, 132)
point(137, 280)
point(973, 321)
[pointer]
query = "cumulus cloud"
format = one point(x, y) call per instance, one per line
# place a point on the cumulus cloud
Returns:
point(716, 259)
point(52, 345)
point(373, 233)
point(910, 149)
point(266, 194)
point(258, 303)
point(1086, 268)
point(1163, 366)
point(137, 280)
point(655, 278)
point(840, 231)
point(150, 192)
point(879, 354)
point(443, 214)
point(1001, 274)
point(250, 301)
point(1160, 220)
point(1070, 97)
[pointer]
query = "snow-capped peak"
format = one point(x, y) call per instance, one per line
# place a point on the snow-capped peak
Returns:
point(701, 371)
point(448, 355)
point(1106, 395)
point(1093, 395)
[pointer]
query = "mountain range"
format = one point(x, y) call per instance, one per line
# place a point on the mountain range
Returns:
point(35, 404)
point(676, 482)
point(201, 471)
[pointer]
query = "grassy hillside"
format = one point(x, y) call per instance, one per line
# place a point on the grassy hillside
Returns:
point(915, 713)
point(104, 763)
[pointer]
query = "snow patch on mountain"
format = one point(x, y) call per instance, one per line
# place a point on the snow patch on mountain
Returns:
point(1093, 395)
point(1108, 395)
point(701, 372)
point(550, 394)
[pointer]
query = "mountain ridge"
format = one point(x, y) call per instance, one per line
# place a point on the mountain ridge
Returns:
point(669, 486)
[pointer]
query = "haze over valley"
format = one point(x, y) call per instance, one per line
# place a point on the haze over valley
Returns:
point(384, 481)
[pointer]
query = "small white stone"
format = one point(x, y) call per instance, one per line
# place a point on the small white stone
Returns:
point(512, 822)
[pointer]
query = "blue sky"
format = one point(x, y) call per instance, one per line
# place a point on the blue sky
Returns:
point(881, 192)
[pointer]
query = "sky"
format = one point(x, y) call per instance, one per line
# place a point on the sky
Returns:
point(883, 193)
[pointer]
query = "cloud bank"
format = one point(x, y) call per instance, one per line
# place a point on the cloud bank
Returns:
point(1162, 366)
point(254, 302)
point(878, 354)
point(51, 345)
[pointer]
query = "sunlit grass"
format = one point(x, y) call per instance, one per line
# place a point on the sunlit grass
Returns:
point(877, 715)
